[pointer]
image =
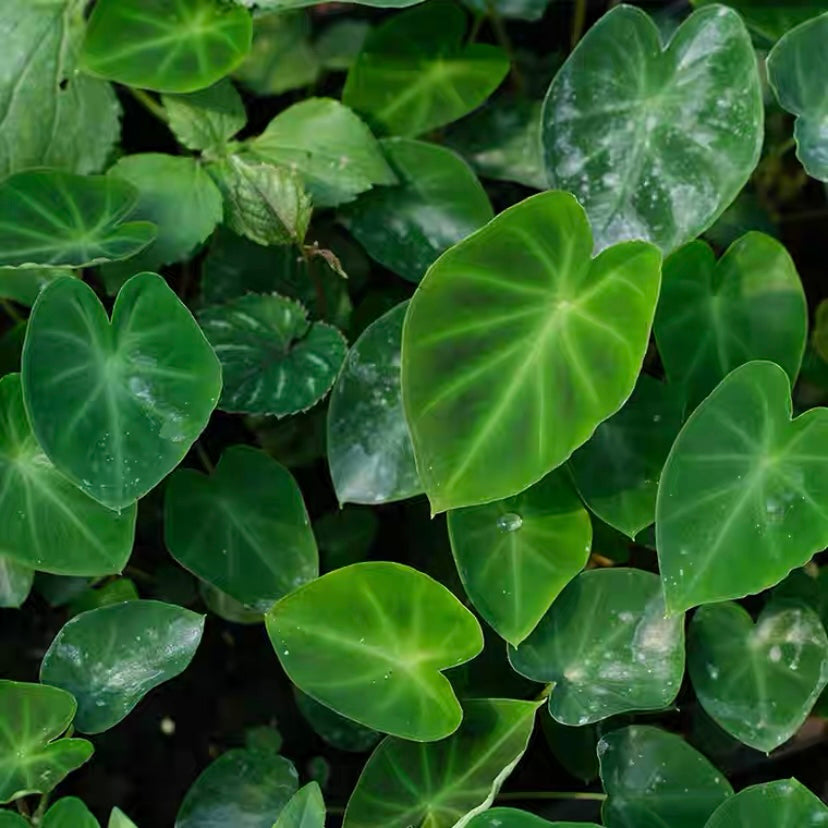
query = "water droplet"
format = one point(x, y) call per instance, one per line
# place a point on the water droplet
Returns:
point(510, 522)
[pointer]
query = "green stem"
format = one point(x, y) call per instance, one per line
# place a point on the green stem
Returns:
point(784, 148)
point(578, 21)
point(11, 310)
point(475, 28)
point(205, 458)
point(545, 693)
point(149, 103)
point(520, 795)
point(37, 816)
point(505, 42)
point(23, 808)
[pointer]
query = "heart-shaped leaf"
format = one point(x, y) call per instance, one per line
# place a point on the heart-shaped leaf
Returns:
point(758, 682)
point(15, 580)
point(515, 556)
point(416, 72)
point(513, 818)
point(607, 646)
point(116, 406)
point(69, 812)
point(48, 523)
point(438, 202)
point(207, 119)
point(654, 778)
point(356, 640)
point(714, 316)
point(517, 344)
point(148, 43)
point(110, 658)
point(772, 18)
point(781, 804)
point(369, 447)
point(797, 66)
point(341, 733)
point(740, 498)
point(49, 217)
point(617, 471)
point(306, 809)
point(32, 757)
point(443, 784)
point(274, 361)
point(655, 141)
point(244, 529)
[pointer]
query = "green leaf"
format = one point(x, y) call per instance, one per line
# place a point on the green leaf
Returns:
point(330, 148)
point(772, 18)
point(740, 498)
point(48, 217)
point(244, 529)
point(515, 556)
point(345, 535)
point(714, 316)
point(13, 820)
point(119, 409)
point(110, 658)
point(32, 757)
point(118, 819)
point(796, 67)
point(206, 120)
point(655, 141)
point(153, 44)
point(267, 204)
point(69, 812)
point(306, 809)
point(513, 818)
point(52, 115)
point(227, 607)
point(438, 202)
point(517, 345)
point(654, 779)
point(113, 592)
point(443, 784)
point(607, 646)
point(15, 578)
point(617, 471)
point(369, 447)
point(48, 523)
point(356, 640)
point(22, 285)
point(758, 682)
point(781, 804)
point(274, 361)
point(340, 43)
point(574, 747)
point(242, 788)
point(510, 9)
point(337, 731)
point(416, 72)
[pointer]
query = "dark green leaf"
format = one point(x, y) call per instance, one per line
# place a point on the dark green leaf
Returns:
point(227, 607)
point(782, 804)
point(13, 820)
point(306, 809)
point(114, 592)
point(23, 284)
point(345, 536)
point(339, 45)
point(512, 818)
point(207, 119)
point(510, 9)
point(69, 812)
point(341, 733)
point(772, 18)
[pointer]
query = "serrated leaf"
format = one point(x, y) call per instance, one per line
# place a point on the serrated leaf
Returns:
point(781, 804)
point(206, 120)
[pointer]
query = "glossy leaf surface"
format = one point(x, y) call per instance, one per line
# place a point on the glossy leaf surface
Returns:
point(758, 682)
point(437, 203)
point(415, 73)
point(442, 784)
point(15, 581)
point(714, 316)
point(48, 523)
point(772, 18)
point(654, 778)
point(357, 640)
point(116, 405)
point(244, 529)
point(781, 804)
point(178, 47)
point(48, 217)
point(274, 361)
point(32, 757)
point(607, 646)
point(369, 446)
point(515, 556)
point(655, 141)
point(69, 812)
point(739, 502)
point(517, 344)
point(207, 119)
point(306, 809)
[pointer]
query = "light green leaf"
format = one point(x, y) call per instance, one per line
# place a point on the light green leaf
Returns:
point(759, 683)
point(740, 498)
point(206, 120)
point(48, 217)
point(714, 316)
point(23, 284)
point(118, 409)
point(517, 345)
point(147, 43)
point(118, 819)
point(617, 471)
point(330, 148)
point(369, 447)
point(15, 578)
point(356, 640)
point(443, 784)
point(797, 66)
point(772, 18)
point(416, 72)
point(52, 115)
point(337, 731)
point(32, 757)
point(781, 804)
point(244, 529)
point(655, 141)
point(513, 818)
point(69, 812)
point(274, 361)
point(438, 202)
point(306, 809)
point(515, 556)
point(48, 523)
point(607, 646)
point(655, 779)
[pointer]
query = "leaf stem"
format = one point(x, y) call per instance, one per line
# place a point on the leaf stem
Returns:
point(545, 693)
point(204, 457)
point(11, 310)
point(23, 808)
point(37, 816)
point(149, 103)
point(514, 796)
point(475, 28)
point(578, 21)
